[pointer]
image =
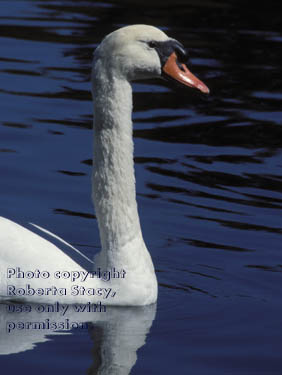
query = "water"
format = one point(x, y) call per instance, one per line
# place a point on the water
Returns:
point(208, 173)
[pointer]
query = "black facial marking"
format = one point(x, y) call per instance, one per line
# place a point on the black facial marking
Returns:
point(165, 49)
point(152, 44)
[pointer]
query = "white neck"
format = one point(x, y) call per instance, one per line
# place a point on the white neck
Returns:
point(113, 179)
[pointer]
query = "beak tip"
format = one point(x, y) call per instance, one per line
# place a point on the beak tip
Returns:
point(204, 89)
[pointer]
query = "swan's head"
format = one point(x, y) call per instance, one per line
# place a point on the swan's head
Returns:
point(141, 52)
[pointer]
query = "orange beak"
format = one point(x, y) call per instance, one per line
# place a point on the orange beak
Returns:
point(172, 69)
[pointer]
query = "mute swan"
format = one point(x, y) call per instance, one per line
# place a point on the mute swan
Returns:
point(132, 52)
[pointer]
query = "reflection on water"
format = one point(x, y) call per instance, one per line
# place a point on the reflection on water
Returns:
point(208, 172)
point(23, 327)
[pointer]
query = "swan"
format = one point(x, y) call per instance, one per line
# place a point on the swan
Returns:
point(32, 267)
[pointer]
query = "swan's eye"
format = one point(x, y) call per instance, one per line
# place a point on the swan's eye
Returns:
point(152, 44)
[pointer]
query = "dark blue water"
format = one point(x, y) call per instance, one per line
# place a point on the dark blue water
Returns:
point(208, 173)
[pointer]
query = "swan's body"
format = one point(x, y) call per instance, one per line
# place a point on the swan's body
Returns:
point(135, 52)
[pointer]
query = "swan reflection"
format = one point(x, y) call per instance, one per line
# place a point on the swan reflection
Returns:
point(117, 333)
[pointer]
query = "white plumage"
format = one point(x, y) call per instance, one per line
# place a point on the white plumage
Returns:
point(123, 56)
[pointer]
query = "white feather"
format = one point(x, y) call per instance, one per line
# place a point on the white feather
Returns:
point(121, 57)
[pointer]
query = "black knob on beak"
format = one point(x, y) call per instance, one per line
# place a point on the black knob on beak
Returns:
point(181, 52)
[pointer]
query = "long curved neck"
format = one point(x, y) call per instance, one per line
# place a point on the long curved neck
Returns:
point(113, 179)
